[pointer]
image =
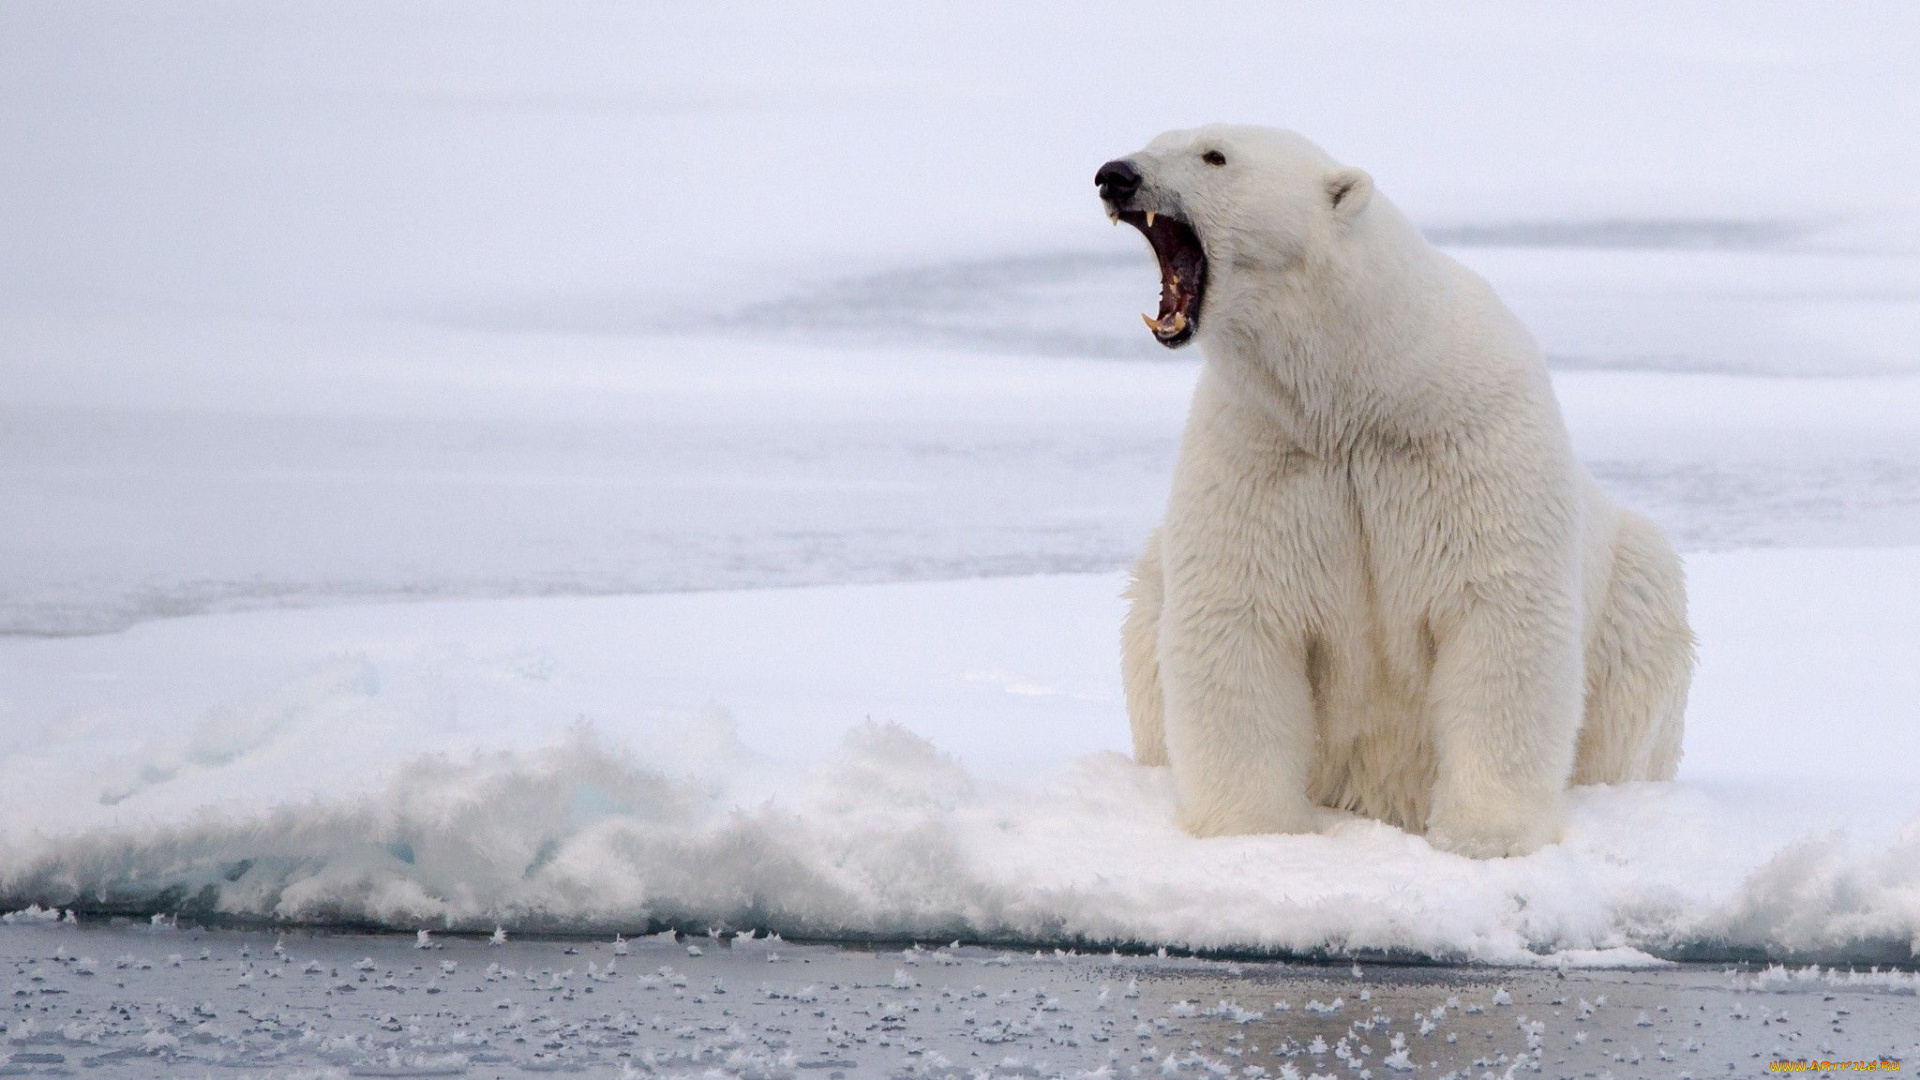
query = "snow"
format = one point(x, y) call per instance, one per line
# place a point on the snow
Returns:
point(933, 761)
point(611, 468)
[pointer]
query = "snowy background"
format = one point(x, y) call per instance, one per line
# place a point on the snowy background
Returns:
point(415, 420)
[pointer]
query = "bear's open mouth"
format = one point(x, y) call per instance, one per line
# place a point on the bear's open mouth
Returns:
point(1183, 274)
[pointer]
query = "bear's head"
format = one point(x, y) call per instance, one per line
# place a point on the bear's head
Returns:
point(1226, 207)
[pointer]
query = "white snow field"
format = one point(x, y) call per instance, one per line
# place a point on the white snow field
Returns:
point(592, 467)
point(917, 761)
point(315, 301)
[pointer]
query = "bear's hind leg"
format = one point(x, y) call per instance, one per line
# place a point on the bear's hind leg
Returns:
point(1639, 664)
point(1140, 657)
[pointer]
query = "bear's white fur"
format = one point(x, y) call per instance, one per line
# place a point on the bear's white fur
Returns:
point(1383, 584)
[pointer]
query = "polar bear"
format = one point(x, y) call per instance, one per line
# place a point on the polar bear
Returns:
point(1383, 584)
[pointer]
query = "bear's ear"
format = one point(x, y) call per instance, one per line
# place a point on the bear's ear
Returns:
point(1348, 190)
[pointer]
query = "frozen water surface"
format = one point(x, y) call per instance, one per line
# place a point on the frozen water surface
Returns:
point(435, 463)
point(603, 301)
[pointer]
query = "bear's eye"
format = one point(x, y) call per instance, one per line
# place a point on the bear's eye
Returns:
point(1214, 157)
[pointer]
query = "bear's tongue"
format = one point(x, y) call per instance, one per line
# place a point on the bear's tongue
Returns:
point(1183, 269)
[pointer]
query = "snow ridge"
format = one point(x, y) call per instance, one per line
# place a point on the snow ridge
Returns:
point(892, 839)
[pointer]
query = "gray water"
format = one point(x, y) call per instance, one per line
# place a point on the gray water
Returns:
point(141, 1001)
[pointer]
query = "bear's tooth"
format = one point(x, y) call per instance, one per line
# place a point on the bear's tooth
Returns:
point(1179, 322)
point(1150, 216)
point(1113, 215)
point(1153, 324)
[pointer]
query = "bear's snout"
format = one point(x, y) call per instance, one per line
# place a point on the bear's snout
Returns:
point(1117, 181)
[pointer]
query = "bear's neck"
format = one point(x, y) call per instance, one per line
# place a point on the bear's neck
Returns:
point(1350, 349)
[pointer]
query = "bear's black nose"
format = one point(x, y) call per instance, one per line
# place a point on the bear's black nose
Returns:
point(1117, 180)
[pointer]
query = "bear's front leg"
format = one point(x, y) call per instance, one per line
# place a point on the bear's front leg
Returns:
point(1504, 704)
point(1239, 721)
